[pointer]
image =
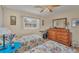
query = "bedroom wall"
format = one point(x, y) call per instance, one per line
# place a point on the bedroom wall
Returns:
point(18, 28)
point(69, 12)
point(1, 17)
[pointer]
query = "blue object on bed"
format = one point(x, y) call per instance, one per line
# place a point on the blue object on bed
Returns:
point(9, 48)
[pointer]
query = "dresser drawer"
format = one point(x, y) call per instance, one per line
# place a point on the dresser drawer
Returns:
point(60, 35)
point(52, 37)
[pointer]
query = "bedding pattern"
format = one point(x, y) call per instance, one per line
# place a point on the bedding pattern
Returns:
point(1, 41)
point(7, 33)
point(51, 47)
point(30, 41)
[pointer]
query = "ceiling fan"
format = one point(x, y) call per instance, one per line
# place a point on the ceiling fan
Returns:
point(47, 8)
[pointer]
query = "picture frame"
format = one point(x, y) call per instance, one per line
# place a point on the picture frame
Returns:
point(12, 20)
point(42, 22)
point(75, 22)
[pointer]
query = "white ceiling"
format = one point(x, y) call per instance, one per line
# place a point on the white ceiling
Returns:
point(32, 9)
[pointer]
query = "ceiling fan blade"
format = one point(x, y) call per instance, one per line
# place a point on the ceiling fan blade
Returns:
point(55, 5)
point(37, 6)
point(41, 11)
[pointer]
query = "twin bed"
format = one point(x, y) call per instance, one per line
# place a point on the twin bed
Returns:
point(36, 44)
point(51, 47)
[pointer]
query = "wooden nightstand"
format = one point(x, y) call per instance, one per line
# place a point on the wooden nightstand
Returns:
point(44, 34)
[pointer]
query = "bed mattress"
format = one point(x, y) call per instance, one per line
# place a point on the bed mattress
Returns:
point(51, 47)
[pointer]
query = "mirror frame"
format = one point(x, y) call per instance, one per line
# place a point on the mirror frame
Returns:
point(65, 20)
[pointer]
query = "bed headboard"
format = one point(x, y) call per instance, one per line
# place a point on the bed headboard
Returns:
point(60, 35)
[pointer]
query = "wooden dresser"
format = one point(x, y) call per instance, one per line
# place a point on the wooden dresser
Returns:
point(60, 35)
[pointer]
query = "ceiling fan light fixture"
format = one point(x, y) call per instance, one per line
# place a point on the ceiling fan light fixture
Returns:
point(50, 10)
point(47, 8)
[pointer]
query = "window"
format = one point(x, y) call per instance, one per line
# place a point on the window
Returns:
point(31, 23)
point(75, 22)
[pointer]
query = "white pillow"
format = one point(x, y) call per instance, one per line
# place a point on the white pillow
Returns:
point(4, 31)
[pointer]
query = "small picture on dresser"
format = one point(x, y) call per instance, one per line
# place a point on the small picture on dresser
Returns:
point(12, 20)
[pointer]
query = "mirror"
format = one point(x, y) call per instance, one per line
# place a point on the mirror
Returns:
point(60, 23)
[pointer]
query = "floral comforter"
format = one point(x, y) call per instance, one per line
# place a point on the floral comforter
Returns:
point(30, 41)
point(51, 47)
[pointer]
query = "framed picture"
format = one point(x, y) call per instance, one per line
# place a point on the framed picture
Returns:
point(42, 22)
point(12, 20)
point(75, 22)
